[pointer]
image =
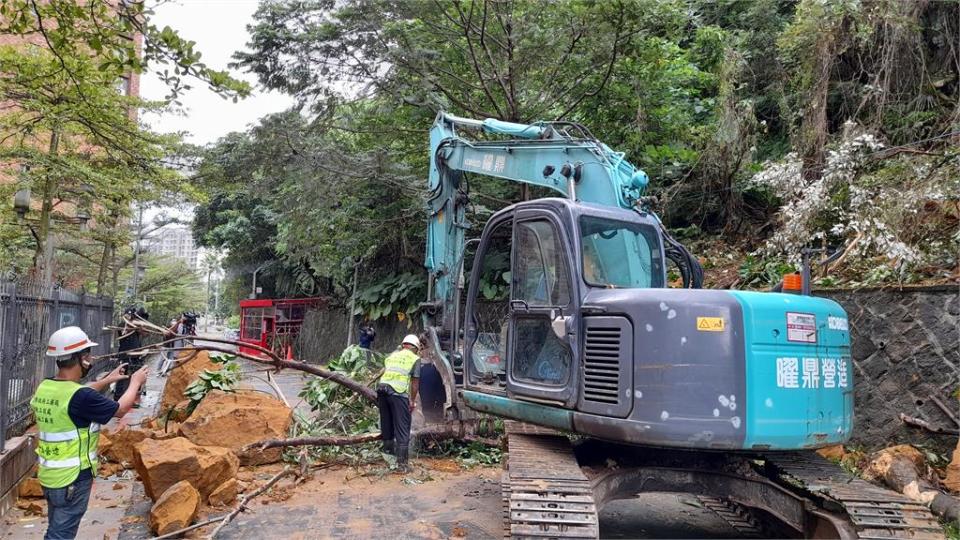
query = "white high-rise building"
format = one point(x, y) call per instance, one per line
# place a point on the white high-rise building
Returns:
point(176, 242)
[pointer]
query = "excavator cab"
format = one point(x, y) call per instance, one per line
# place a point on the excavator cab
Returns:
point(567, 323)
point(533, 263)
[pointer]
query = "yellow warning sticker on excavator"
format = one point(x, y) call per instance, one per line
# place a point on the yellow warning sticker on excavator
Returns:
point(710, 324)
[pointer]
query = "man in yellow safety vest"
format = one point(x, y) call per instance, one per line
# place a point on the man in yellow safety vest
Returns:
point(68, 418)
point(397, 397)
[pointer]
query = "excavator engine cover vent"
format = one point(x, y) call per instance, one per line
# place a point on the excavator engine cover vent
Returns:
point(607, 382)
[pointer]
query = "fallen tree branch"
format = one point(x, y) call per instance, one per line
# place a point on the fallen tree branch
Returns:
point(346, 440)
point(923, 424)
point(247, 498)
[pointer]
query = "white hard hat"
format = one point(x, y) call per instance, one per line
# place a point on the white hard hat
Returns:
point(68, 340)
point(412, 340)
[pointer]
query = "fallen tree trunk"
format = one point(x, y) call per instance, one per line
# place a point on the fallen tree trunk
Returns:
point(368, 393)
point(899, 472)
point(434, 433)
point(346, 440)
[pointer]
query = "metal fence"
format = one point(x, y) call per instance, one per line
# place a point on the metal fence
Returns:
point(29, 313)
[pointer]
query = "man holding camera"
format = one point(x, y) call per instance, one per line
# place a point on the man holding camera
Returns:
point(69, 416)
point(130, 339)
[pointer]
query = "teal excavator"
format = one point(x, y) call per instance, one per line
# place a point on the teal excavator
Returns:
point(565, 324)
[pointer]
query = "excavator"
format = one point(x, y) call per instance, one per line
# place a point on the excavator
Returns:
point(560, 319)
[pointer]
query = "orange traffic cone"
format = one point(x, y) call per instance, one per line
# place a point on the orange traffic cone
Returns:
point(289, 353)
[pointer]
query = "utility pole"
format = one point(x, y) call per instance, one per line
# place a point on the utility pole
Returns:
point(353, 302)
point(136, 254)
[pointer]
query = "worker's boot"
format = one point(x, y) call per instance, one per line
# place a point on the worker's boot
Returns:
point(403, 458)
point(388, 447)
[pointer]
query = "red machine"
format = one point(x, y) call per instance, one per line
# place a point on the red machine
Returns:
point(274, 323)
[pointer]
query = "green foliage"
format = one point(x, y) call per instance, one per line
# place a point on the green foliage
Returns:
point(758, 272)
point(101, 30)
point(233, 321)
point(339, 411)
point(700, 94)
point(224, 379)
point(394, 295)
point(168, 288)
point(951, 530)
point(467, 454)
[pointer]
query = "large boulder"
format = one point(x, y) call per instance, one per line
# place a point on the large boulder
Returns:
point(162, 464)
point(182, 375)
point(237, 419)
point(175, 509)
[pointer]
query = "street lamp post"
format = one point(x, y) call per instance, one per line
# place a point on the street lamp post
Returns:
point(21, 205)
point(136, 255)
point(253, 289)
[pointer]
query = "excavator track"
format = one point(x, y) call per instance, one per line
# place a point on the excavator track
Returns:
point(734, 515)
point(876, 513)
point(546, 495)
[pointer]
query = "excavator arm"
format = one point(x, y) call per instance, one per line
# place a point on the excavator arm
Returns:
point(562, 156)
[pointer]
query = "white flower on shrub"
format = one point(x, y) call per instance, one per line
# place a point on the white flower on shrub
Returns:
point(861, 196)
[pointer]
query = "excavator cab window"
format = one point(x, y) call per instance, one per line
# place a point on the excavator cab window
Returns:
point(620, 254)
point(542, 284)
point(492, 306)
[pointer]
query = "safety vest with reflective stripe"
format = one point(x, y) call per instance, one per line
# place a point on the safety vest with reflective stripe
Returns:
point(64, 449)
point(397, 368)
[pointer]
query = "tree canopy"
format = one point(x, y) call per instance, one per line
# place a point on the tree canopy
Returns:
point(749, 117)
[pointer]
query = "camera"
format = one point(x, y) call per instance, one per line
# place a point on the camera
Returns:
point(190, 323)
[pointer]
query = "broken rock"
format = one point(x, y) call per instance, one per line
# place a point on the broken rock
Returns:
point(182, 375)
point(164, 463)
point(106, 469)
point(835, 452)
point(30, 489)
point(225, 494)
point(175, 509)
point(238, 419)
point(120, 447)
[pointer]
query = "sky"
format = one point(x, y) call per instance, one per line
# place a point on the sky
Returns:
point(219, 29)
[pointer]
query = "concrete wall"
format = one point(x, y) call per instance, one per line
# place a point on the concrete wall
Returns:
point(905, 350)
point(323, 335)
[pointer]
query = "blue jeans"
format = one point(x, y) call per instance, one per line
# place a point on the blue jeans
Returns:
point(65, 509)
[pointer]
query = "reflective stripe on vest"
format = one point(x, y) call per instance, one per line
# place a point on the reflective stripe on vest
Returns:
point(396, 370)
point(63, 449)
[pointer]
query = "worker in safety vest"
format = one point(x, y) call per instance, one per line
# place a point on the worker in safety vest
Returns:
point(68, 418)
point(397, 397)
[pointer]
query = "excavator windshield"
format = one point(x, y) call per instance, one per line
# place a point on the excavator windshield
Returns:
point(620, 254)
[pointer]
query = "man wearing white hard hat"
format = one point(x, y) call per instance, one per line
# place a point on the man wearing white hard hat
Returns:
point(68, 418)
point(397, 397)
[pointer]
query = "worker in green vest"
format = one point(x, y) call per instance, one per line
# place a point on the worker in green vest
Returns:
point(68, 417)
point(397, 397)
